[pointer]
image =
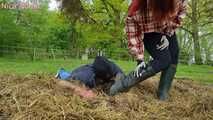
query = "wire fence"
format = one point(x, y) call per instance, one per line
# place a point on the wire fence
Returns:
point(35, 53)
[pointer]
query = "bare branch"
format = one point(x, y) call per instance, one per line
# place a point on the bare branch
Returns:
point(206, 23)
point(187, 30)
point(207, 34)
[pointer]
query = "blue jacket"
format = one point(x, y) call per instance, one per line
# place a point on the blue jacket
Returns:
point(85, 74)
point(101, 68)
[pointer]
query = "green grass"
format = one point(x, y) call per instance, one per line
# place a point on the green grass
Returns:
point(202, 73)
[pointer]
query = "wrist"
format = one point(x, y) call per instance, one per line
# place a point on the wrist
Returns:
point(140, 57)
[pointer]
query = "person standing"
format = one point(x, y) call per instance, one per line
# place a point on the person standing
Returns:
point(151, 24)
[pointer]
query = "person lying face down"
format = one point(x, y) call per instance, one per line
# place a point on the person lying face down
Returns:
point(101, 72)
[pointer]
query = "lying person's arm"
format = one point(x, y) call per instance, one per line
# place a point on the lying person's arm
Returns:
point(78, 90)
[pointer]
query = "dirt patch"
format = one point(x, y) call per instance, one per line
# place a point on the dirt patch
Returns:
point(38, 97)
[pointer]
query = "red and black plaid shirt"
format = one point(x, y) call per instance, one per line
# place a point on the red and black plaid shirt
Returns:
point(139, 23)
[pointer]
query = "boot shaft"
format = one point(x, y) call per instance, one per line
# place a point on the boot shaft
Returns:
point(130, 80)
point(165, 83)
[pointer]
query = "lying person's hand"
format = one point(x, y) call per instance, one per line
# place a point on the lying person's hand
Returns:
point(85, 93)
point(82, 91)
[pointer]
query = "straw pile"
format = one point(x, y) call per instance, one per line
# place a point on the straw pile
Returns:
point(38, 97)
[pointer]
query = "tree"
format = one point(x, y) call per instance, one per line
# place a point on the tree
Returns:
point(107, 16)
point(75, 11)
point(198, 18)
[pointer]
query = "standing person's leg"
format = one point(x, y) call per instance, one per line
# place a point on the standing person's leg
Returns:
point(168, 74)
point(161, 55)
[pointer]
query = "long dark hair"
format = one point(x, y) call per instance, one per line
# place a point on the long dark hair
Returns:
point(161, 9)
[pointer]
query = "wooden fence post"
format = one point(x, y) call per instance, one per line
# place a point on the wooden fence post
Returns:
point(34, 54)
point(53, 54)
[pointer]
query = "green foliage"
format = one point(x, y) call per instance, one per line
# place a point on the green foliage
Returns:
point(33, 29)
point(107, 33)
point(10, 33)
point(97, 24)
point(198, 27)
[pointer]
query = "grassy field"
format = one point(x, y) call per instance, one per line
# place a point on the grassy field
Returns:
point(201, 73)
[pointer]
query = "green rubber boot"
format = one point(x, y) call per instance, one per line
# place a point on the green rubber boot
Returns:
point(130, 80)
point(166, 79)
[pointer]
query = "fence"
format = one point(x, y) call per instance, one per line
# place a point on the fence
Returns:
point(53, 53)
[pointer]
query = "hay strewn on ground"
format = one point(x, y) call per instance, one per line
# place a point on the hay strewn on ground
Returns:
point(38, 97)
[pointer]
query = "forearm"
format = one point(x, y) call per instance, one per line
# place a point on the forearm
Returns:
point(77, 90)
point(182, 9)
point(135, 38)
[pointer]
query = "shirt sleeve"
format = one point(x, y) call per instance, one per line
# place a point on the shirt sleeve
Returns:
point(135, 5)
point(135, 38)
point(182, 10)
point(177, 20)
point(180, 14)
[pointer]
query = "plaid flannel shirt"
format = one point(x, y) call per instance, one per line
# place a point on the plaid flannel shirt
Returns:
point(139, 23)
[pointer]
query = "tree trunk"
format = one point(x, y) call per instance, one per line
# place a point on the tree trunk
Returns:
point(195, 30)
